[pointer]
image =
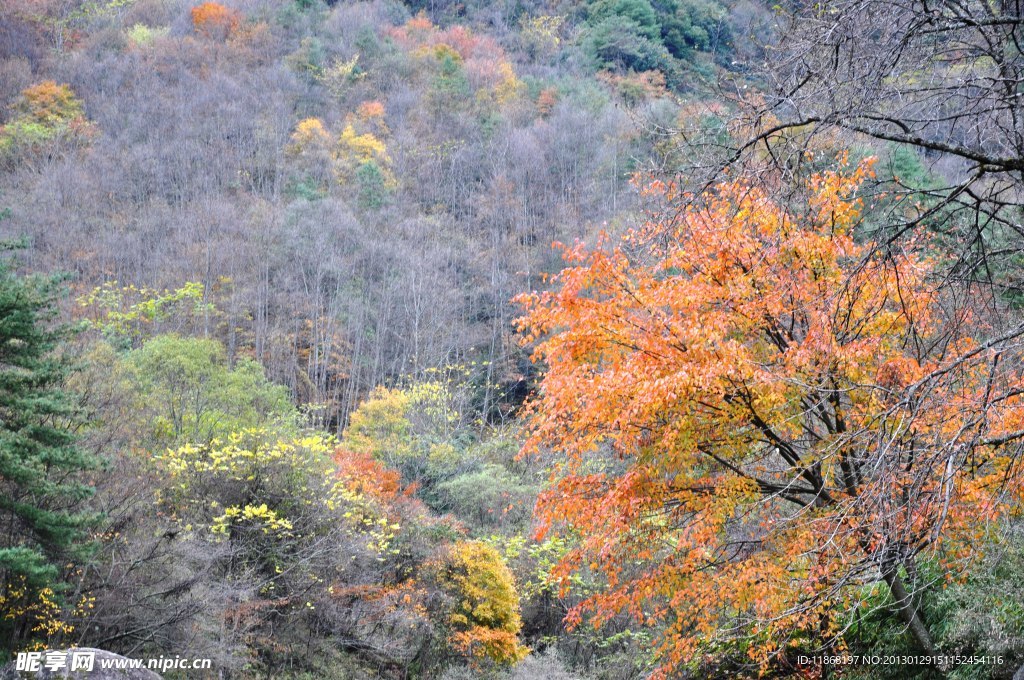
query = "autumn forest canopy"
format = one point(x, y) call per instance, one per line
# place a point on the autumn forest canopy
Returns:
point(557, 339)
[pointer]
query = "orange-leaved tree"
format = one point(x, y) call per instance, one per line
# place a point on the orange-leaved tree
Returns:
point(753, 413)
point(214, 20)
point(46, 119)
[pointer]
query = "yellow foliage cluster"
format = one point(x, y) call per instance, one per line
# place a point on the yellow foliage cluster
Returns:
point(380, 426)
point(485, 616)
point(361, 148)
point(310, 130)
point(40, 608)
point(340, 75)
point(258, 514)
point(310, 134)
point(509, 87)
point(301, 468)
point(354, 149)
point(243, 453)
point(395, 424)
point(358, 144)
point(441, 52)
point(541, 33)
point(310, 149)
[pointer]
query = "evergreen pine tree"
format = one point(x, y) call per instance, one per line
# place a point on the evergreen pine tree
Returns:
point(42, 521)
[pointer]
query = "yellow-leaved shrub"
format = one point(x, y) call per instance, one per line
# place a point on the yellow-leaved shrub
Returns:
point(484, 617)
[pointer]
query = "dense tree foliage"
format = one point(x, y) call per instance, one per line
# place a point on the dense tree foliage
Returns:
point(485, 614)
point(45, 119)
point(823, 424)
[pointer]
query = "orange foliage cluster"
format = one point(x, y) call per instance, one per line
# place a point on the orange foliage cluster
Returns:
point(47, 119)
point(482, 618)
point(407, 596)
point(363, 475)
point(636, 87)
point(369, 117)
point(419, 32)
point(214, 20)
point(756, 412)
point(370, 109)
point(546, 101)
point(480, 642)
point(49, 103)
point(484, 60)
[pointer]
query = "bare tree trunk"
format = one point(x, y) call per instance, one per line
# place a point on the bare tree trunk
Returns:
point(908, 612)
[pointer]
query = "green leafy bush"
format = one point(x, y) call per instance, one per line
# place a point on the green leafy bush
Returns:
point(188, 391)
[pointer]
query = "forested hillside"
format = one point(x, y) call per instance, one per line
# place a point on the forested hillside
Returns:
point(570, 339)
point(360, 189)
